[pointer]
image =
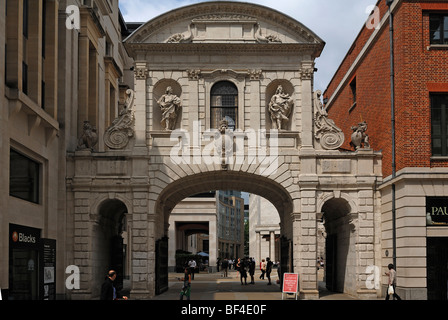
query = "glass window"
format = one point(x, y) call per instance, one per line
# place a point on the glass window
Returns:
point(23, 177)
point(438, 28)
point(439, 124)
point(224, 104)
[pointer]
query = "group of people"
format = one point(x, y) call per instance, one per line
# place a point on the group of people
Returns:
point(109, 292)
point(247, 266)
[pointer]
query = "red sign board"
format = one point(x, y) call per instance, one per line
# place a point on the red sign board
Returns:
point(290, 283)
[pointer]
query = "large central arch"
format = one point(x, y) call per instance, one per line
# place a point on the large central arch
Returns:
point(269, 189)
point(190, 185)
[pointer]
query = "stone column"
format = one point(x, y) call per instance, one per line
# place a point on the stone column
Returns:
point(308, 244)
point(142, 249)
point(255, 107)
point(363, 222)
point(141, 75)
point(307, 72)
point(213, 243)
point(272, 246)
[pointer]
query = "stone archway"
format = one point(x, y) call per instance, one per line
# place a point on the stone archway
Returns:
point(257, 49)
point(270, 189)
point(108, 244)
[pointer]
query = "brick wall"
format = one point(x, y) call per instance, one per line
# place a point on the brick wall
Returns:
point(418, 72)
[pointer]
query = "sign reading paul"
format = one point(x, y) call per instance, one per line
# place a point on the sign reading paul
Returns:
point(437, 211)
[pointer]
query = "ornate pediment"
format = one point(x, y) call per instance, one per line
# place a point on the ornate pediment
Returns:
point(224, 22)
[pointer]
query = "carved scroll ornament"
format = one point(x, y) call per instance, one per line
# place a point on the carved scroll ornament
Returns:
point(121, 131)
point(327, 133)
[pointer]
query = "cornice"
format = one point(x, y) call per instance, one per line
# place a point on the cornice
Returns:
point(223, 48)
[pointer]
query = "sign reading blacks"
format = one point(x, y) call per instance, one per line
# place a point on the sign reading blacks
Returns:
point(437, 211)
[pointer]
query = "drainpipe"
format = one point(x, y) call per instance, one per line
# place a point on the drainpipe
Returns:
point(392, 104)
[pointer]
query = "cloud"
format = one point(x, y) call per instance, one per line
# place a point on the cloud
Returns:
point(337, 22)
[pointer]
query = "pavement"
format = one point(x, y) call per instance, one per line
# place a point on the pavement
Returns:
point(213, 286)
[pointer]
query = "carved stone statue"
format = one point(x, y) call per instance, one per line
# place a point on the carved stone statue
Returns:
point(169, 104)
point(326, 131)
point(280, 108)
point(117, 136)
point(224, 143)
point(360, 139)
point(89, 137)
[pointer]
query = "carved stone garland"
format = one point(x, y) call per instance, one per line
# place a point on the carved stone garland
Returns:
point(121, 131)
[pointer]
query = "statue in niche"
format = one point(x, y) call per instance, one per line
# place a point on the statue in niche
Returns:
point(89, 137)
point(280, 108)
point(360, 139)
point(169, 104)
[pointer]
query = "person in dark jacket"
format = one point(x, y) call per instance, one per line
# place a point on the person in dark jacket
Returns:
point(108, 291)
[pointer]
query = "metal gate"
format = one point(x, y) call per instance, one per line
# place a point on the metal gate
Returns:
point(161, 265)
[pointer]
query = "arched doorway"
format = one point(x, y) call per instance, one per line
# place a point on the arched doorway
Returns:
point(340, 246)
point(109, 243)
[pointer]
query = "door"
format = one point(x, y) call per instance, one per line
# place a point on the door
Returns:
point(117, 260)
point(437, 268)
point(330, 263)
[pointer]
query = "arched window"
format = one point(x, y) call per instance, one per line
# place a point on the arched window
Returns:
point(224, 104)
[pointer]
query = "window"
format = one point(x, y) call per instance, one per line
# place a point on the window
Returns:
point(224, 104)
point(24, 77)
point(25, 18)
point(353, 90)
point(23, 177)
point(438, 28)
point(439, 124)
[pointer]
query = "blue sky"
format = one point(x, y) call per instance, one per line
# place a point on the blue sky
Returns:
point(337, 22)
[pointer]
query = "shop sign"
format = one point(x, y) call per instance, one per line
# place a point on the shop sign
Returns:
point(437, 211)
point(21, 236)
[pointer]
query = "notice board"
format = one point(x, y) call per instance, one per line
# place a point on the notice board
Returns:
point(290, 283)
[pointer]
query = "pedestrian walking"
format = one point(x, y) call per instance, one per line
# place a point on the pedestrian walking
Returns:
point(252, 270)
point(268, 270)
point(192, 265)
point(392, 283)
point(224, 266)
point(262, 268)
point(186, 288)
point(108, 291)
point(243, 270)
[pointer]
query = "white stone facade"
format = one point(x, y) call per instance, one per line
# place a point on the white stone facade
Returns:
point(130, 192)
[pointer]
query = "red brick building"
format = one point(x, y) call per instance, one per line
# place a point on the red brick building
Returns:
point(417, 191)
